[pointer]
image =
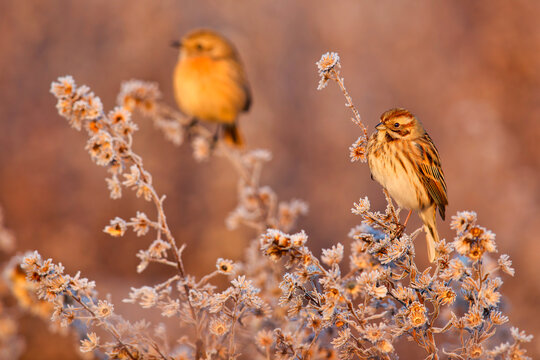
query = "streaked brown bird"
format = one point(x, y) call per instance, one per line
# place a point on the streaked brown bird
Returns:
point(404, 160)
point(210, 83)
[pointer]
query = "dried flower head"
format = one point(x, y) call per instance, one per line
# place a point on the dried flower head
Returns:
point(219, 326)
point(473, 317)
point(104, 309)
point(91, 343)
point(505, 264)
point(141, 95)
point(225, 266)
point(63, 87)
point(201, 148)
point(357, 151)
point(145, 296)
point(141, 224)
point(361, 207)
point(264, 339)
point(116, 228)
point(375, 332)
point(115, 187)
point(119, 115)
point(276, 244)
point(498, 318)
point(475, 351)
point(462, 220)
point(158, 249)
point(332, 256)
point(520, 336)
point(327, 63)
point(474, 240)
point(417, 314)
point(385, 346)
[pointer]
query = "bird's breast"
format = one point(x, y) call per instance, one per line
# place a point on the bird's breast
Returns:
point(390, 167)
point(208, 89)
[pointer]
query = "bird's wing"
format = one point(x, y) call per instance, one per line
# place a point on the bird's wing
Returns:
point(431, 172)
point(247, 91)
point(241, 80)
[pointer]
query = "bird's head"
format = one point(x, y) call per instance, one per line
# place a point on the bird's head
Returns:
point(400, 123)
point(204, 42)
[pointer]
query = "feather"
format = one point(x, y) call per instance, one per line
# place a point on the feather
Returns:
point(431, 175)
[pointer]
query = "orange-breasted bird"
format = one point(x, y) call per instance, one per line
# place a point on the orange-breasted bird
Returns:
point(210, 83)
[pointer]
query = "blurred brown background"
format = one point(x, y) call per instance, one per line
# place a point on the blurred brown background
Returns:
point(467, 69)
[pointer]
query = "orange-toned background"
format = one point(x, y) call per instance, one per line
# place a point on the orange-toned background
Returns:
point(468, 70)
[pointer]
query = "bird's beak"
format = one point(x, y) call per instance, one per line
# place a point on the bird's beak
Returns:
point(379, 126)
point(176, 44)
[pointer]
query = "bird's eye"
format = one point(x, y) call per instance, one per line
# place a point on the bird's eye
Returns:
point(199, 46)
point(396, 125)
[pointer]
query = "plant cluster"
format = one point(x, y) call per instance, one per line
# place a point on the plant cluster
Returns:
point(282, 301)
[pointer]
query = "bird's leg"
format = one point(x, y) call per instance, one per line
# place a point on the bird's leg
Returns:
point(215, 138)
point(190, 126)
point(401, 227)
point(193, 122)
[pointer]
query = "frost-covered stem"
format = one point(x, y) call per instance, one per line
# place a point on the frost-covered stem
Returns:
point(156, 348)
point(230, 351)
point(432, 345)
point(391, 204)
point(240, 169)
point(421, 340)
point(205, 278)
point(357, 120)
point(167, 282)
point(158, 202)
point(109, 328)
point(164, 227)
point(165, 262)
point(436, 312)
point(353, 312)
point(251, 178)
point(254, 225)
point(376, 316)
point(359, 346)
point(311, 344)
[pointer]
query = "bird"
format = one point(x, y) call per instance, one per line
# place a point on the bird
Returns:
point(210, 83)
point(404, 160)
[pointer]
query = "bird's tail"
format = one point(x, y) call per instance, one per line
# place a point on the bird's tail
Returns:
point(430, 227)
point(232, 135)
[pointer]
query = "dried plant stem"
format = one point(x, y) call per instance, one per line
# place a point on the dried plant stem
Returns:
point(110, 329)
point(393, 212)
point(231, 349)
point(357, 120)
point(163, 228)
point(235, 161)
point(251, 178)
point(156, 348)
point(205, 278)
point(317, 333)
